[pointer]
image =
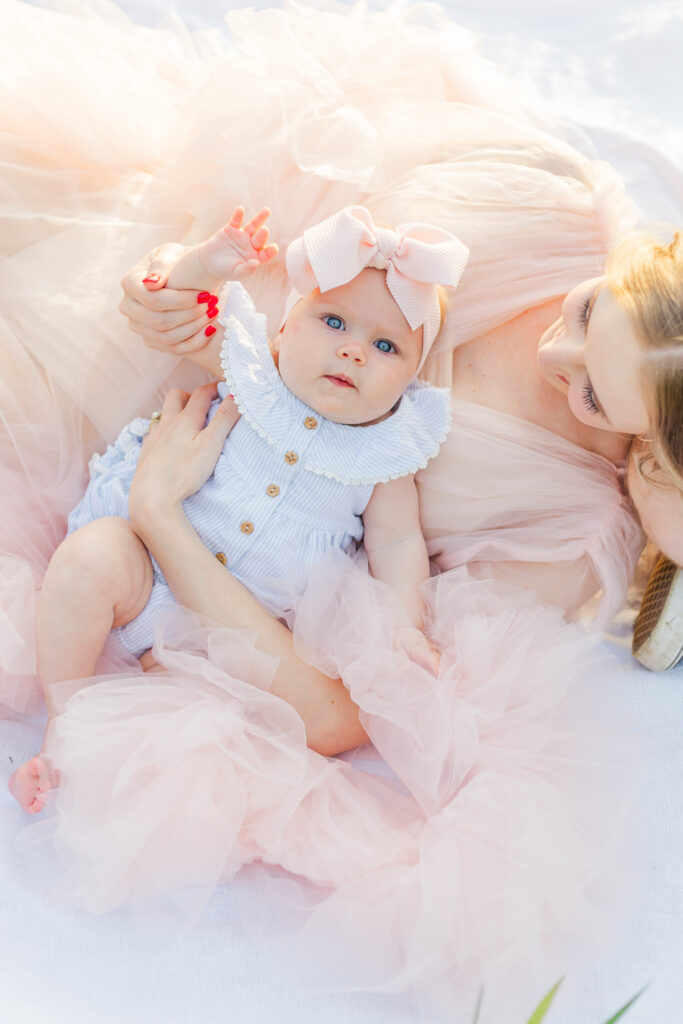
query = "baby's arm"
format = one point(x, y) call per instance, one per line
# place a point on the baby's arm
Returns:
point(232, 253)
point(397, 554)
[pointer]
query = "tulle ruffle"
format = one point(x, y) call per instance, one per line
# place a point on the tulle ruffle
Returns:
point(521, 494)
point(487, 857)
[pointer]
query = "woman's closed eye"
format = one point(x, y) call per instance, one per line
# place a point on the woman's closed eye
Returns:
point(586, 309)
point(334, 321)
point(384, 345)
point(589, 398)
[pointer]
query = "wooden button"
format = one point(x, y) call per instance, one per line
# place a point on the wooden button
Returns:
point(272, 490)
point(291, 458)
point(222, 557)
point(310, 423)
point(247, 527)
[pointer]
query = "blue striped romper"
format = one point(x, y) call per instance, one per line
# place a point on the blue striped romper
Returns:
point(289, 485)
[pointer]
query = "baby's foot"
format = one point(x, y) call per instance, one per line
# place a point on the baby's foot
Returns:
point(30, 783)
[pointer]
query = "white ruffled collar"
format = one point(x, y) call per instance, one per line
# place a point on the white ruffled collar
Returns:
point(398, 446)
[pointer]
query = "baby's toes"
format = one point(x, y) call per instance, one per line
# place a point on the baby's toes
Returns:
point(36, 806)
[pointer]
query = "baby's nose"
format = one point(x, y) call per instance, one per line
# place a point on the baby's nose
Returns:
point(353, 351)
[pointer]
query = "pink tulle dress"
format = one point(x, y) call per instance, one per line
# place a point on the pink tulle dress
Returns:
point(474, 842)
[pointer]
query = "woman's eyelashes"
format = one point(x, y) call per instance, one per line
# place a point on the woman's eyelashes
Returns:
point(584, 313)
point(589, 398)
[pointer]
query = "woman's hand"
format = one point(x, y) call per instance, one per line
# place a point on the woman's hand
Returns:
point(179, 453)
point(166, 319)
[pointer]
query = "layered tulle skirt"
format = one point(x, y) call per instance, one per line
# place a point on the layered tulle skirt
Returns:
point(479, 851)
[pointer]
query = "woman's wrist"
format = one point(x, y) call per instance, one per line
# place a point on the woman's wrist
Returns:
point(153, 515)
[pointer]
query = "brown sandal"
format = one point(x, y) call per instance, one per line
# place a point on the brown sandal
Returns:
point(658, 631)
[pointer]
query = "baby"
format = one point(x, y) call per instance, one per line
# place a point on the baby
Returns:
point(333, 427)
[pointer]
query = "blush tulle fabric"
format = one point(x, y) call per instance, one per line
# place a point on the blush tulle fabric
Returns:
point(473, 843)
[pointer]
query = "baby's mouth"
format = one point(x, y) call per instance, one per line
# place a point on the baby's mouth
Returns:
point(340, 379)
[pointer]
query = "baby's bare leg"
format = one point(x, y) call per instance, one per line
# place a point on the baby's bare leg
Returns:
point(99, 577)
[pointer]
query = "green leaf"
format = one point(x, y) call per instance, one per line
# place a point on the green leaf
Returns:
point(628, 1005)
point(477, 1009)
point(544, 1005)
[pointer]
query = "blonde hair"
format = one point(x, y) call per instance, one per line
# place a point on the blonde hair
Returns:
point(647, 279)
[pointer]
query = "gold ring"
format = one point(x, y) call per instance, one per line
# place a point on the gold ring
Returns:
point(155, 418)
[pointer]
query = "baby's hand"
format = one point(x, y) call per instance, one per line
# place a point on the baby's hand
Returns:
point(238, 249)
point(416, 646)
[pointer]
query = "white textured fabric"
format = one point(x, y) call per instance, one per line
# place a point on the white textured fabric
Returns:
point(416, 257)
point(289, 486)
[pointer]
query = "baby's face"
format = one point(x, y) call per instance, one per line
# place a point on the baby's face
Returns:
point(349, 353)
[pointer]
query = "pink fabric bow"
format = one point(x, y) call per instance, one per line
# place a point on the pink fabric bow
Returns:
point(416, 257)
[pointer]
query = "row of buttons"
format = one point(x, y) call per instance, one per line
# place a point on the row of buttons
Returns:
point(272, 490)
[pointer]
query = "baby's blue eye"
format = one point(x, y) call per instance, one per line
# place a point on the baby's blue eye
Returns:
point(385, 346)
point(335, 322)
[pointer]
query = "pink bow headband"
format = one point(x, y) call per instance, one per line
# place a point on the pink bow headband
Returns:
point(416, 257)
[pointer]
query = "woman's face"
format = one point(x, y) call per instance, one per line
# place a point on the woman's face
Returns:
point(593, 355)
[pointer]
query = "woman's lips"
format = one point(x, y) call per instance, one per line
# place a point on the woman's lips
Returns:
point(340, 380)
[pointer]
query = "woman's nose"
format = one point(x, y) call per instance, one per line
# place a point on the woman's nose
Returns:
point(569, 349)
point(352, 350)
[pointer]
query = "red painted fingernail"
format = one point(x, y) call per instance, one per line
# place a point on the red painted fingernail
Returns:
point(204, 297)
point(152, 279)
point(212, 311)
point(208, 331)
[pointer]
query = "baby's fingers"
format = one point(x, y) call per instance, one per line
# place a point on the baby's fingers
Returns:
point(259, 238)
point(256, 223)
point(426, 657)
point(237, 218)
point(268, 252)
